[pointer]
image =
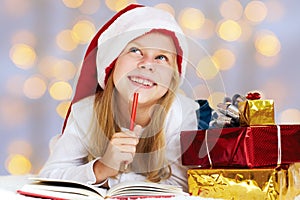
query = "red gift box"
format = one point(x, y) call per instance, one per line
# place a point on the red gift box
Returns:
point(241, 147)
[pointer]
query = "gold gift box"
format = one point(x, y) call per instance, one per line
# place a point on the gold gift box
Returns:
point(240, 184)
point(256, 112)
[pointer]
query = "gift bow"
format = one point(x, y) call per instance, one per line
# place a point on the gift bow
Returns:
point(253, 96)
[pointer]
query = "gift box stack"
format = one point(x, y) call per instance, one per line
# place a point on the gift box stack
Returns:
point(243, 155)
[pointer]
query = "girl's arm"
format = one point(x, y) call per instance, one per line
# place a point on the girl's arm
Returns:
point(68, 157)
point(181, 117)
point(69, 154)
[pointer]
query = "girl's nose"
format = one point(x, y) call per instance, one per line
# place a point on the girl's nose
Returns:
point(147, 64)
point(149, 67)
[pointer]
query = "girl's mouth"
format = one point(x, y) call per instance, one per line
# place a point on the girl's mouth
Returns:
point(142, 81)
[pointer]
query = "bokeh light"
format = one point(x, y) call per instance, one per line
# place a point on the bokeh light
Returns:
point(191, 18)
point(229, 30)
point(35, 87)
point(206, 68)
point(62, 108)
point(267, 43)
point(256, 11)
point(72, 3)
point(54, 68)
point(116, 5)
point(207, 30)
point(17, 164)
point(60, 90)
point(64, 70)
point(90, 6)
point(23, 56)
point(231, 9)
point(83, 31)
point(67, 40)
point(46, 66)
point(224, 59)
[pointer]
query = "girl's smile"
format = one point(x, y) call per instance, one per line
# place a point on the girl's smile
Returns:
point(146, 65)
point(142, 82)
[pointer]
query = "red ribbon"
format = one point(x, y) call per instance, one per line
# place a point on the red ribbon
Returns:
point(253, 96)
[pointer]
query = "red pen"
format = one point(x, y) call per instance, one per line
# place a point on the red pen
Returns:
point(133, 111)
point(124, 165)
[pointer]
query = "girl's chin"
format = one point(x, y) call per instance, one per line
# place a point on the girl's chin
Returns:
point(146, 99)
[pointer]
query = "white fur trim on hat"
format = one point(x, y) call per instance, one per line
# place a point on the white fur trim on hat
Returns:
point(128, 27)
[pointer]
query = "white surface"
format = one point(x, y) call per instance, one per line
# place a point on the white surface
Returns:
point(10, 184)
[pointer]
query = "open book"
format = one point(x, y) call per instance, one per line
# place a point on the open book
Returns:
point(57, 189)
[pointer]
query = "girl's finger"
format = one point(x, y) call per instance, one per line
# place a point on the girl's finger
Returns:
point(125, 141)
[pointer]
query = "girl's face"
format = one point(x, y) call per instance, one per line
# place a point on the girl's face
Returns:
point(146, 66)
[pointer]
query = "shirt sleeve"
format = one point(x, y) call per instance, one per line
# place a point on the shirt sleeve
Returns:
point(68, 157)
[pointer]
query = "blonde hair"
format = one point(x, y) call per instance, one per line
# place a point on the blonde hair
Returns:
point(150, 152)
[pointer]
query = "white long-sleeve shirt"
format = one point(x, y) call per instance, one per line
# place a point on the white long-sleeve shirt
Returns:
point(68, 154)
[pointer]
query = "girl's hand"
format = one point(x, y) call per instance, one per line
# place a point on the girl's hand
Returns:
point(121, 149)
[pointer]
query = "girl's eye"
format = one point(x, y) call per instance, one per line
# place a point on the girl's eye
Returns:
point(135, 50)
point(162, 57)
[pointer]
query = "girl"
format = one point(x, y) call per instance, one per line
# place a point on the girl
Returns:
point(140, 50)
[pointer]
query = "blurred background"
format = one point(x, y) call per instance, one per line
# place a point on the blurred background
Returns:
point(253, 45)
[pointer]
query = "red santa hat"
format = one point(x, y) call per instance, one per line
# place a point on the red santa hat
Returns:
point(126, 25)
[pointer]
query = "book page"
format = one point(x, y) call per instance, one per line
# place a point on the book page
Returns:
point(67, 187)
point(53, 194)
point(140, 188)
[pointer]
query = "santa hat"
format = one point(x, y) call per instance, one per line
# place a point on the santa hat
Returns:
point(126, 25)
point(129, 26)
